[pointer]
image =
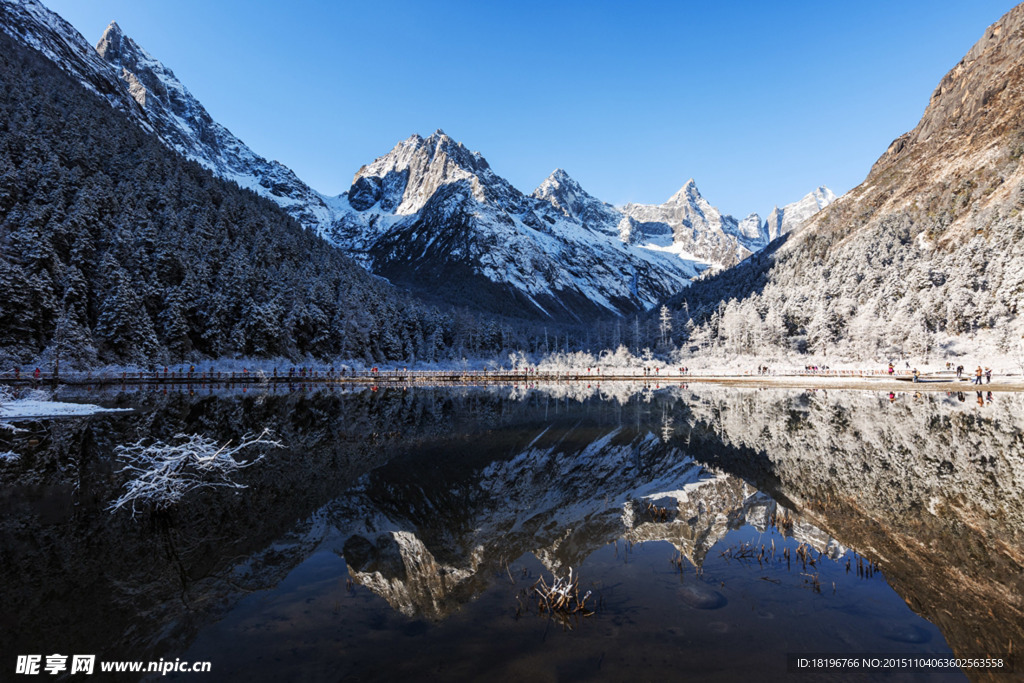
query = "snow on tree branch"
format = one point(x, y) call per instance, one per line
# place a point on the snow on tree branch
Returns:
point(163, 473)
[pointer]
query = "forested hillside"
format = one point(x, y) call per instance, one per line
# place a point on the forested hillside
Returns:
point(927, 251)
point(113, 248)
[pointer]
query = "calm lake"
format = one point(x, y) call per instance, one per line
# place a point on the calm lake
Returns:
point(400, 534)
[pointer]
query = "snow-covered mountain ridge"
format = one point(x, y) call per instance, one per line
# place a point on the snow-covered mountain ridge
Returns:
point(185, 126)
point(688, 224)
point(133, 81)
point(432, 215)
point(31, 24)
point(406, 219)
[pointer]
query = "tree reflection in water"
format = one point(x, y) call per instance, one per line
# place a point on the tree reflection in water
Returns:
point(443, 502)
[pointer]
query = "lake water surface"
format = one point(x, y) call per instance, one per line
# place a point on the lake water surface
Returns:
point(401, 533)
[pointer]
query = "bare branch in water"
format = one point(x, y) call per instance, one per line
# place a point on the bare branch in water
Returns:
point(562, 598)
point(161, 473)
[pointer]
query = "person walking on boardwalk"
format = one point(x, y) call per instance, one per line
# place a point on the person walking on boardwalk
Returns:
point(891, 369)
point(977, 375)
point(959, 371)
point(988, 375)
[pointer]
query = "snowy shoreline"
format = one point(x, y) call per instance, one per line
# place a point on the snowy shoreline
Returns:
point(846, 379)
point(1002, 384)
point(33, 409)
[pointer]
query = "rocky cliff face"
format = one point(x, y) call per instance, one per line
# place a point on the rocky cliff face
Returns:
point(926, 253)
point(958, 170)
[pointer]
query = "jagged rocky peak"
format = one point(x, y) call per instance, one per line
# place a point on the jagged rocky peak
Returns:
point(109, 45)
point(812, 202)
point(686, 210)
point(823, 196)
point(563, 192)
point(142, 72)
point(404, 179)
point(558, 183)
point(687, 193)
point(33, 25)
point(790, 217)
point(689, 205)
point(751, 226)
point(559, 187)
point(112, 47)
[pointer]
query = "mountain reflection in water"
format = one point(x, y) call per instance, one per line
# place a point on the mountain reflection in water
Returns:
point(448, 504)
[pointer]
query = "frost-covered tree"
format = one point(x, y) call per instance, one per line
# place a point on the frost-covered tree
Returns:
point(665, 324)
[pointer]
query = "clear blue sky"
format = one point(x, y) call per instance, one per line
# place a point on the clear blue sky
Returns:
point(759, 102)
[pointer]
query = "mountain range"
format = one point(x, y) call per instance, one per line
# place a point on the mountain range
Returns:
point(432, 216)
point(904, 264)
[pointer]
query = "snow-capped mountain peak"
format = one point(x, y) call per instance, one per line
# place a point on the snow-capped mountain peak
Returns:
point(140, 70)
point(112, 32)
point(688, 193)
point(751, 227)
point(791, 216)
point(184, 125)
point(570, 199)
point(32, 24)
point(404, 179)
point(559, 183)
point(700, 229)
point(430, 214)
point(695, 226)
point(692, 203)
